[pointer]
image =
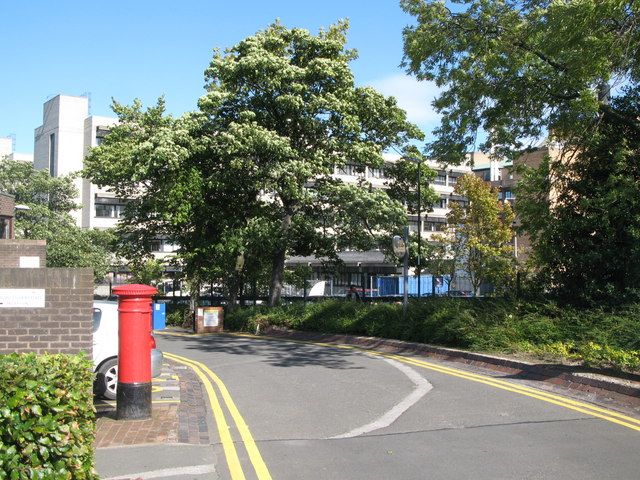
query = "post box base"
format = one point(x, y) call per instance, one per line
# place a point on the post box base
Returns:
point(133, 401)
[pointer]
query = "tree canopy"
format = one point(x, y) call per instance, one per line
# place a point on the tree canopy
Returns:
point(480, 235)
point(568, 70)
point(520, 70)
point(583, 215)
point(50, 201)
point(251, 173)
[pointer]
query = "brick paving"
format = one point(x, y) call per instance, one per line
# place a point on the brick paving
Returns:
point(179, 414)
point(192, 414)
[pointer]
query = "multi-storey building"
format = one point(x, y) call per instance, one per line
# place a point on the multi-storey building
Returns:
point(68, 132)
point(62, 142)
point(362, 268)
point(504, 177)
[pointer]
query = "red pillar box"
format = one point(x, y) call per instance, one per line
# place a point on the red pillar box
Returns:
point(133, 397)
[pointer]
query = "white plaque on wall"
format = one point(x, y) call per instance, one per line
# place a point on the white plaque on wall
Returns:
point(211, 318)
point(21, 297)
point(29, 262)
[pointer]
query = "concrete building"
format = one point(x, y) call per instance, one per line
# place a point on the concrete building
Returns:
point(434, 217)
point(6, 151)
point(61, 143)
point(64, 139)
point(361, 269)
point(504, 177)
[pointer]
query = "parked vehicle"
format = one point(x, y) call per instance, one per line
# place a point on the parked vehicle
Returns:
point(105, 349)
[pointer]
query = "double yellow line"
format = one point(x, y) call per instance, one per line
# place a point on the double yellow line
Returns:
point(228, 445)
point(582, 407)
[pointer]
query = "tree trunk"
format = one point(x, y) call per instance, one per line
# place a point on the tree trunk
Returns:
point(234, 290)
point(280, 255)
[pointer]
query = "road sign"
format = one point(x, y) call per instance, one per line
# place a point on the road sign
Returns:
point(399, 246)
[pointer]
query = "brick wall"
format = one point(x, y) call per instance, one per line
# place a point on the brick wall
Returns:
point(64, 325)
point(7, 209)
point(7, 205)
point(12, 250)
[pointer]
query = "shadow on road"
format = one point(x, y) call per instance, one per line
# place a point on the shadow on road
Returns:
point(275, 352)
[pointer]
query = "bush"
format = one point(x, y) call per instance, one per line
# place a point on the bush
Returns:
point(47, 419)
point(179, 316)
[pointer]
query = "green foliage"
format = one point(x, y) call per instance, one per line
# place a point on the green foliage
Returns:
point(518, 70)
point(298, 276)
point(70, 246)
point(179, 315)
point(47, 424)
point(251, 173)
point(404, 184)
point(50, 201)
point(582, 213)
point(147, 272)
point(290, 112)
point(599, 338)
point(481, 233)
point(521, 71)
point(590, 354)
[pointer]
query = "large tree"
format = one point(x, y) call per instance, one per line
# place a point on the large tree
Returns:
point(568, 70)
point(251, 174)
point(50, 201)
point(584, 215)
point(520, 70)
point(285, 101)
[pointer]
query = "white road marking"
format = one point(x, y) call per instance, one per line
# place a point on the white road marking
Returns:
point(167, 472)
point(422, 387)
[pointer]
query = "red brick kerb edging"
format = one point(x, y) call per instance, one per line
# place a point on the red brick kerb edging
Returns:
point(625, 391)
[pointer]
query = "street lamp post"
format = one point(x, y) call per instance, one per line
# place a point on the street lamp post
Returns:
point(419, 227)
point(401, 249)
point(418, 161)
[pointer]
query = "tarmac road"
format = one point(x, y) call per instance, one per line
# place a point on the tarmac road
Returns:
point(306, 411)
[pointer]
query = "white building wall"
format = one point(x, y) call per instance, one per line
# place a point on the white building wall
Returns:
point(6, 151)
point(90, 191)
point(6, 146)
point(59, 141)
point(21, 157)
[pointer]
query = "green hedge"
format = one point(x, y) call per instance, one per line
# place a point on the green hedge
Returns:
point(47, 419)
point(599, 337)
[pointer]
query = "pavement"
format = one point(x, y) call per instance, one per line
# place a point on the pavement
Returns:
point(174, 444)
point(180, 441)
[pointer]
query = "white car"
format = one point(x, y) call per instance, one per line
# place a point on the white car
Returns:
point(105, 349)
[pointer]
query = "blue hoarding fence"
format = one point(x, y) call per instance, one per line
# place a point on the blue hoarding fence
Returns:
point(393, 285)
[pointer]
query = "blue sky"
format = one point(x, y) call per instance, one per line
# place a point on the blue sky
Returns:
point(144, 49)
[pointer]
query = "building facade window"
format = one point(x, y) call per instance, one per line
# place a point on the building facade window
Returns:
point(5, 228)
point(453, 180)
point(441, 203)
point(101, 132)
point(441, 179)
point(434, 226)
point(377, 173)
point(350, 169)
point(109, 210)
point(52, 154)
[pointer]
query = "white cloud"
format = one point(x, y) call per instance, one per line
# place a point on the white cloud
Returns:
point(413, 96)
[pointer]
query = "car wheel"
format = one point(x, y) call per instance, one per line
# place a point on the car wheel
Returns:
point(107, 379)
